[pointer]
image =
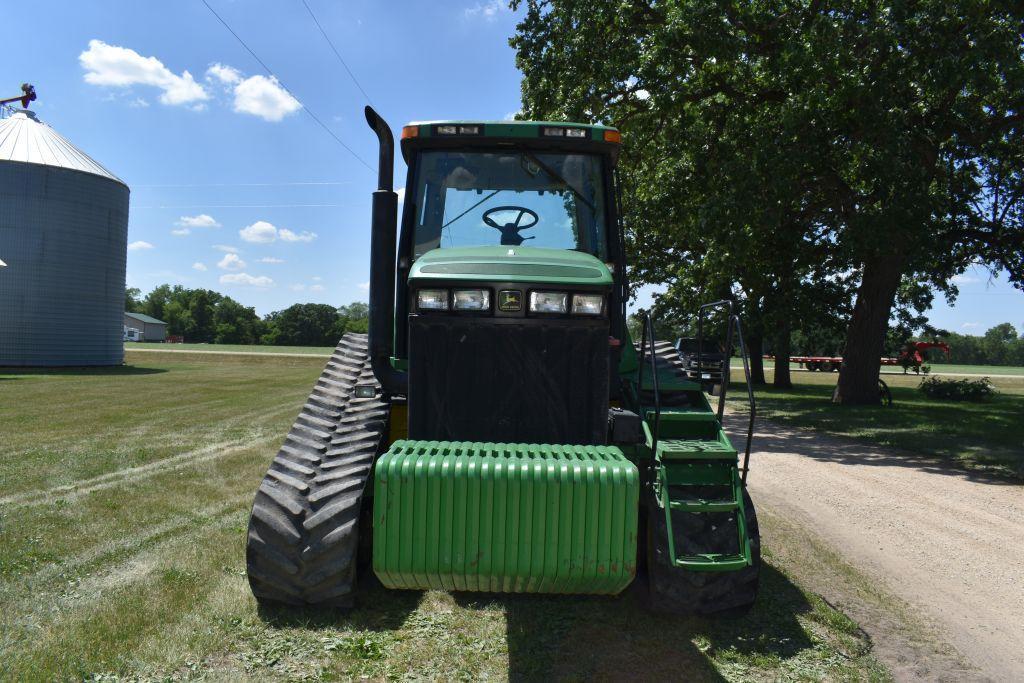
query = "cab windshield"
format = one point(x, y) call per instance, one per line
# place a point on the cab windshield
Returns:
point(510, 198)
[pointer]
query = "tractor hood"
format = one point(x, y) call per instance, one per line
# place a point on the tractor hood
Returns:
point(511, 264)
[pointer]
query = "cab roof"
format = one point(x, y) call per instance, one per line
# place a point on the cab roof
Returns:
point(554, 135)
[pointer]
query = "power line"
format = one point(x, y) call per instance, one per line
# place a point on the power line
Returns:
point(274, 76)
point(284, 184)
point(335, 50)
point(242, 206)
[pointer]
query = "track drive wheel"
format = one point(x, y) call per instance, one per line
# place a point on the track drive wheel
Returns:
point(681, 591)
point(304, 529)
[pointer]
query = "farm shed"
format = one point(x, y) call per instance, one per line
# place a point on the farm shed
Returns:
point(152, 330)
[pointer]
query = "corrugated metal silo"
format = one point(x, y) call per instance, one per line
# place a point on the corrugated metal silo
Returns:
point(63, 235)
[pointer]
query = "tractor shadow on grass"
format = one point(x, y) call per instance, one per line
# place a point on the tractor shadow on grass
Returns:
point(377, 609)
point(619, 638)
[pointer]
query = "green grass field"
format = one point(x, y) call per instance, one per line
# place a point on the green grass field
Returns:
point(124, 497)
point(981, 437)
point(232, 348)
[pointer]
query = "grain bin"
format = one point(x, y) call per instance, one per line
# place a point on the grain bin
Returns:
point(63, 235)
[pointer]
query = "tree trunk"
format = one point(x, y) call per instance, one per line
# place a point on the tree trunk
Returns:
point(781, 378)
point(755, 349)
point(865, 336)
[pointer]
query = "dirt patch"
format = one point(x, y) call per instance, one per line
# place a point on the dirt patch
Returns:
point(935, 555)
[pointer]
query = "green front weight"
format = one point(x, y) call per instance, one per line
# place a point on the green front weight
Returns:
point(505, 517)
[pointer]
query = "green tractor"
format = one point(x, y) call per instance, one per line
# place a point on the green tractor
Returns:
point(498, 429)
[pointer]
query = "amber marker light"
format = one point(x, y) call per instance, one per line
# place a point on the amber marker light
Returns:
point(612, 136)
point(410, 132)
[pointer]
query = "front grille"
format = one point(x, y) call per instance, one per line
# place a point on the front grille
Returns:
point(521, 381)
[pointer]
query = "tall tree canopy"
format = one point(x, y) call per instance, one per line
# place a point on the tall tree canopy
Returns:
point(789, 151)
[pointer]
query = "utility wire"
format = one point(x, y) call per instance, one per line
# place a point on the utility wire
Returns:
point(241, 206)
point(281, 83)
point(285, 184)
point(336, 53)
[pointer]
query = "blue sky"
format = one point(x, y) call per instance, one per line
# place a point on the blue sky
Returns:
point(234, 187)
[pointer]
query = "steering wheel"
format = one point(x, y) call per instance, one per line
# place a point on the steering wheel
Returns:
point(510, 231)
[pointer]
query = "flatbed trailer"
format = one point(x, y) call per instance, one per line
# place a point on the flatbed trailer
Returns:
point(826, 363)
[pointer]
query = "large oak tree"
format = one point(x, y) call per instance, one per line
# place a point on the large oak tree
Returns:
point(792, 147)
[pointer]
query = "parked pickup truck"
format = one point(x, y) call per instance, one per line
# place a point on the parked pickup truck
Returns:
point(712, 359)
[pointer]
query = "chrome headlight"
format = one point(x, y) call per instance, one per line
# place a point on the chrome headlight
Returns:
point(587, 304)
point(549, 302)
point(432, 300)
point(471, 299)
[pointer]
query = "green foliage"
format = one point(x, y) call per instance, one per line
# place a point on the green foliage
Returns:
point(791, 158)
point(132, 302)
point(1000, 345)
point(357, 316)
point(205, 316)
point(202, 315)
point(304, 325)
point(958, 389)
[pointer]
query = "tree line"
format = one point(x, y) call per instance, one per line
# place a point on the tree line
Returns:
point(205, 316)
point(828, 166)
point(1000, 345)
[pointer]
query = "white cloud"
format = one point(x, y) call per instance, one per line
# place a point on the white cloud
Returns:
point(316, 278)
point(487, 11)
point(260, 232)
point(226, 248)
point(246, 279)
point(139, 245)
point(138, 103)
point(317, 288)
point(201, 267)
point(121, 67)
point(228, 75)
point(364, 285)
point(264, 97)
point(201, 221)
point(968, 326)
point(298, 287)
point(180, 232)
point(963, 279)
point(231, 262)
point(271, 259)
point(287, 235)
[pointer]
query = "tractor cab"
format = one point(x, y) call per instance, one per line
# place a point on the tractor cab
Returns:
point(509, 282)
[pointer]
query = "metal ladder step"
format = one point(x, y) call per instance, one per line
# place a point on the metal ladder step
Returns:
point(671, 449)
point(712, 563)
point(704, 505)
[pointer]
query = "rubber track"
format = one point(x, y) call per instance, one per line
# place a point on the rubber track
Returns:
point(304, 527)
point(681, 591)
point(665, 356)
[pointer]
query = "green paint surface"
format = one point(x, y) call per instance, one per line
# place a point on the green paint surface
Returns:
point(505, 518)
point(511, 264)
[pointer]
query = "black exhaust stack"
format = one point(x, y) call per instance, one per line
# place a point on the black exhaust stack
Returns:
point(383, 237)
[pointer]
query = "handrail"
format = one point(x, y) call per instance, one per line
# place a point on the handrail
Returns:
point(648, 336)
point(735, 319)
point(732, 321)
point(728, 349)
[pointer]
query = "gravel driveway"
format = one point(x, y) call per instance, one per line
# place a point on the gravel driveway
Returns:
point(950, 544)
